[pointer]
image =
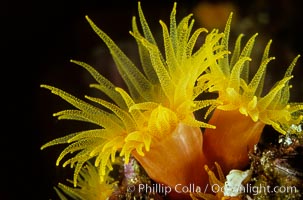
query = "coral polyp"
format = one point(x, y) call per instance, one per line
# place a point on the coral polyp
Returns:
point(245, 109)
point(156, 105)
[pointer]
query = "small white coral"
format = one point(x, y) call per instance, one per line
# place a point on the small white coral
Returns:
point(233, 185)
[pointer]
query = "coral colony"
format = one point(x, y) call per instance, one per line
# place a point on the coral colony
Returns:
point(151, 143)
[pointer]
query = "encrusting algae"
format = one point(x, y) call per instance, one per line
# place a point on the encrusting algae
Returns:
point(154, 120)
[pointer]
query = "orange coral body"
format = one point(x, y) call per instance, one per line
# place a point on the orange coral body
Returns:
point(177, 160)
point(231, 141)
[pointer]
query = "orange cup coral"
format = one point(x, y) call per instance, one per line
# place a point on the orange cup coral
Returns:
point(154, 120)
point(244, 112)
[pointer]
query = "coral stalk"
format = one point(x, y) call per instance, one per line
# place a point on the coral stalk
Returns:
point(232, 140)
point(180, 163)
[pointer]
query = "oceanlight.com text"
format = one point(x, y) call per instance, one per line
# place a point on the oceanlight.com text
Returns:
point(254, 189)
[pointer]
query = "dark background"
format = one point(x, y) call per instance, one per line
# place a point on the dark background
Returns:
point(39, 37)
